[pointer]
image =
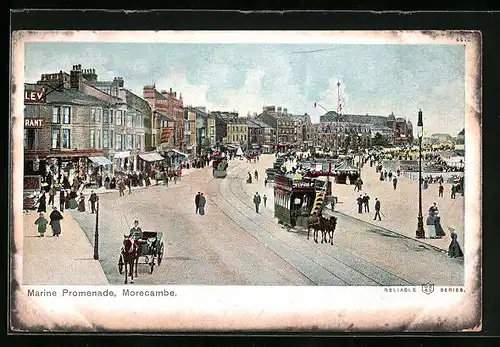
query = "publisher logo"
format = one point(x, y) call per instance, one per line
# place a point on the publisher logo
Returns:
point(428, 288)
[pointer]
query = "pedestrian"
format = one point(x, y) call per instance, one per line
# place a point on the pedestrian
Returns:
point(42, 203)
point(197, 201)
point(433, 209)
point(165, 178)
point(52, 193)
point(127, 182)
point(431, 227)
point(366, 202)
point(62, 199)
point(256, 175)
point(256, 201)
point(441, 190)
point(377, 209)
point(395, 182)
point(81, 203)
point(202, 204)
point(360, 204)
point(175, 178)
point(454, 249)
point(121, 187)
point(93, 200)
point(265, 200)
point(42, 224)
point(55, 221)
point(453, 191)
point(265, 182)
point(437, 223)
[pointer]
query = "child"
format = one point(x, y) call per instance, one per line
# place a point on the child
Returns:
point(42, 224)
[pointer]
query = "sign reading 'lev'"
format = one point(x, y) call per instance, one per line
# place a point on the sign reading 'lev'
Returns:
point(31, 95)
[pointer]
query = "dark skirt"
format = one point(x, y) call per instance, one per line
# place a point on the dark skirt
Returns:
point(454, 250)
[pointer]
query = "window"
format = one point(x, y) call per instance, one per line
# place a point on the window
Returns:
point(129, 142)
point(111, 115)
point(105, 116)
point(55, 138)
point(111, 137)
point(92, 138)
point(55, 115)
point(118, 117)
point(98, 138)
point(105, 139)
point(130, 121)
point(118, 142)
point(138, 142)
point(66, 138)
point(66, 110)
point(92, 114)
point(29, 139)
point(98, 114)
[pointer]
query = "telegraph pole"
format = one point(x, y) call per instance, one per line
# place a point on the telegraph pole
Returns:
point(338, 115)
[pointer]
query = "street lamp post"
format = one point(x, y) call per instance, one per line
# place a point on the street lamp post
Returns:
point(96, 234)
point(420, 234)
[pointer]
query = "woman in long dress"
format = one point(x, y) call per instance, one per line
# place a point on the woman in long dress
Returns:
point(81, 203)
point(454, 249)
point(437, 223)
point(72, 200)
point(202, 204)
point(431, 228)
point(55, 222)
point(42, 203)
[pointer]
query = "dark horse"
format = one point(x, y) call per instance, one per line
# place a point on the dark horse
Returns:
point(130, 257)
point(325, 225)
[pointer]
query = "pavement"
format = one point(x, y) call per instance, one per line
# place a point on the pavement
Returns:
point(399, 207)
point(67, 259)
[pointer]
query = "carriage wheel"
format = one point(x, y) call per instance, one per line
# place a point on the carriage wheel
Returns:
point(120, 264)
point(160, 254)
point(152, 264)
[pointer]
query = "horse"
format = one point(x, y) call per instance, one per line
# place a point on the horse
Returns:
point(130, 257)
point(331, 224)
point(313, 223)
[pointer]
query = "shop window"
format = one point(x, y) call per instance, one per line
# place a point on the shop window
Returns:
point(56, 138)
point(66, 114)
point(55, 115)
point(66, 143)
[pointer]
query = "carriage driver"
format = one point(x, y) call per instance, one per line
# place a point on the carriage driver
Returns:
point(136, 231)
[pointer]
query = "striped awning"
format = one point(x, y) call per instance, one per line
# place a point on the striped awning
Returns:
point(121, 155)
point(101, 161)
point(153, 156)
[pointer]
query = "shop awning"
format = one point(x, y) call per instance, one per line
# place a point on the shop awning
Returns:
point(120, 155)
point(179, 152)
point(151, 156)
point(101, 161)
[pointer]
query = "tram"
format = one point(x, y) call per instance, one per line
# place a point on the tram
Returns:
point(296, 199)
point(219, 165)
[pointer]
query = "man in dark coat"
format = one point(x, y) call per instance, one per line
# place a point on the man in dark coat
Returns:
point(197, 201)
point(366, 202)
point(256, 201)
point(93, 200)
point(377, 209)
point(360, 204)
point(55, 221)
point(42, 203)
point(62, 199)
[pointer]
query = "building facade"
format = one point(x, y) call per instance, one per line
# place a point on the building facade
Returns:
point(170, 109)
point(237, 133)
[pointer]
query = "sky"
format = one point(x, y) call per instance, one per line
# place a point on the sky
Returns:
point(375, 79)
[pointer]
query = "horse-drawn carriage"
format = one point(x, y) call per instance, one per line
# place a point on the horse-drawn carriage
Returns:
point(300, 204)
point(147, 245)
point(219, 165)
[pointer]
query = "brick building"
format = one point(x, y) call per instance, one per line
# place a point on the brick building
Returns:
point(170, 109)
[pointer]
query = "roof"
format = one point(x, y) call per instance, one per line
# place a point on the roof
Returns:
point(73, 97)
point(346, 166)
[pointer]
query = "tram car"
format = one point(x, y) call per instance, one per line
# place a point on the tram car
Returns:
point(219, 165)
point(295, 200)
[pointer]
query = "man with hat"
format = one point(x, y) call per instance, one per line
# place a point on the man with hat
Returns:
point(135, 231)
point(93, 200)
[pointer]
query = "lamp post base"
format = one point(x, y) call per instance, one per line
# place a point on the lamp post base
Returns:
point(420, 233)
